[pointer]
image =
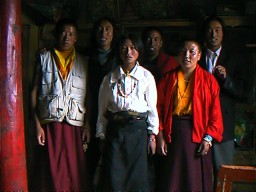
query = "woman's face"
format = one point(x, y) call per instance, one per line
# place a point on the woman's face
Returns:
point(128, 53)
point(104, 35)
point(189, 55)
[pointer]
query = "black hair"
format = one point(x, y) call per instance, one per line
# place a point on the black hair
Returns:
point(135, 41)
point(147, 30)
point(97, 23)
point(63, 22)
point(184, 40)
point(206, 23)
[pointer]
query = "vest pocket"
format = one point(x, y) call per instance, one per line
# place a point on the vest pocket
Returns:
point(76, 110)
point(78, 85)
point(50, 107)
point(49, 80)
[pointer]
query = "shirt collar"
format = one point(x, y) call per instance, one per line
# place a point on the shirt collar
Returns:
point(136, 73)
point(209, 52)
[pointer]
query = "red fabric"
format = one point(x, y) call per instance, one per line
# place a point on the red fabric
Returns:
point(166, 63)
point(194, 172)
point(66, 163)
point(207, 117)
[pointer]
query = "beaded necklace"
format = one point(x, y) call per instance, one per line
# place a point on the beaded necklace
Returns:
point(119, 87)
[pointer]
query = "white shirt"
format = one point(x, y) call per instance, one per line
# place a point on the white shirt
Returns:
point(134, 92)
point(211, 63)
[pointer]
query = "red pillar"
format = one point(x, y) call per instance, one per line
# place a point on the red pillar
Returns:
point(12, 139)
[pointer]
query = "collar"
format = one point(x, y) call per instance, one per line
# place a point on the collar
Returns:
point(209, 52)
point(137, 73)
point(101, 51)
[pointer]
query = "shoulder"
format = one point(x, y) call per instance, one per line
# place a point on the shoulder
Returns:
point(43, 52)
point(82, 60)
point(143, 72)
point(164, 57)
point(44, 56)
point(169, 76)
point(203, 73)
point(205, 77)
point(82, 56)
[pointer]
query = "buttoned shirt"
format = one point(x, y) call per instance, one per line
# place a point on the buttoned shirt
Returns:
point(135, 92)
point(211, 59)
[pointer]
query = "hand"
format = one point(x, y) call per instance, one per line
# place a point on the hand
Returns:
point(203, 148)
point(152, 146)
point(86, 135)
point(161, 144)
point(220, 71)
point(40, 135)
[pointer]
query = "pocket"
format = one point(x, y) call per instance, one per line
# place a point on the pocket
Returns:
point(50, 106)
point(48, 81)
point(76, 110)
point(78, 86)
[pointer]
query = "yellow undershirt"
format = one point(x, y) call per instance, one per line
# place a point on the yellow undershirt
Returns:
point(65, 61)
point(183, 96)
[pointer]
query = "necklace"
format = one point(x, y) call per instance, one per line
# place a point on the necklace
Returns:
point(120, 91)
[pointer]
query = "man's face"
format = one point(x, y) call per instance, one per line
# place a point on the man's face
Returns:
point(214, 35)
point(104, 35)
point(153, 43)
point(67, 38)
point(189, 55)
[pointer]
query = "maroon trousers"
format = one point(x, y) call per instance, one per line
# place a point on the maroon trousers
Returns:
point(61, 163)
point(183, 169)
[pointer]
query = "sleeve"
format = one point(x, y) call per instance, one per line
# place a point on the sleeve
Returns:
point(235, 83)
point(151, 97)
point(104, 95)
point(160, 103)
point(215, 125)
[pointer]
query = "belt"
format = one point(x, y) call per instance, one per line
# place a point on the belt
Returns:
point(125, 116)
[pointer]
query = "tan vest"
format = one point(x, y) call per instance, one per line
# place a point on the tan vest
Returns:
point(62, 99)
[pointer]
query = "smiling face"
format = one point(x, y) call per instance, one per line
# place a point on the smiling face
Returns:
point(104, 35)
point(67, 38)
point(128, 54)
point(214, 35)
point(188, 56)
point(153, 43)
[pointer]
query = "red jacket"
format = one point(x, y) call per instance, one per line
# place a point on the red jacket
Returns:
point(164, 64)
point(207, 117)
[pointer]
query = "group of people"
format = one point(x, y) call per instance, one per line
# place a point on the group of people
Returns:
point(152, 121)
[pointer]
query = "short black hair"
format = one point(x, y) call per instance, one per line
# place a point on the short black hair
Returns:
point(147, 30)
point(63, 22)
point(186, 39)
point(95, 29)
point(210, 19)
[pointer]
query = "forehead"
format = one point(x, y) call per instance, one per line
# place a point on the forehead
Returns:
point(154, 33)
point(214, 25)
point(68, 28)
point(105, 23)
point(127, 42)
point(190, 45)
